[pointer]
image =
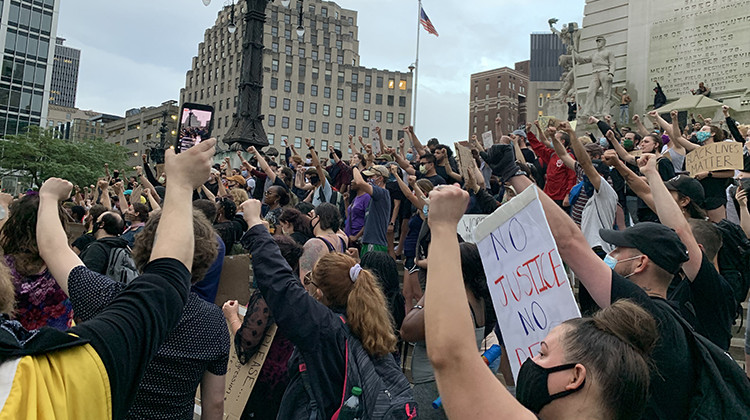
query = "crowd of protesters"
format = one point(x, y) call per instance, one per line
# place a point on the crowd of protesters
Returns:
point(121, 322)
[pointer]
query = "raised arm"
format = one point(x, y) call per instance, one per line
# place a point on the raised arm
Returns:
point(683, 142)
point(731, 125)
point(498, 129)
point(405, 165)
point(336, 158)
point(380, 139)
point(635, 182)
point(409, 130)
point(152, 200)
point(360, 182)
point(103, 184)
point(316, 161)
point(468, 389)
point(120, 191)
point(621, 152)
point(408, 193)
point(741, 197)
point(583, 158)
point(563, 154)
point(261, 163)
point(542, 136)
point(670, 214)
point(639, 127)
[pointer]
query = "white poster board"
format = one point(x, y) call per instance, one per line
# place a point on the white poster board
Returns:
point(525, 275)
point(468, 224)
point(487, 140)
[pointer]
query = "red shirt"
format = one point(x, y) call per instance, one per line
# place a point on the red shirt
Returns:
point(560, 178)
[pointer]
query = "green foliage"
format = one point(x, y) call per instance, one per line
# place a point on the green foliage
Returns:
point(38, 155)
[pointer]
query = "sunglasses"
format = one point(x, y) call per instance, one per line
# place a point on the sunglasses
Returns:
point(307, 280)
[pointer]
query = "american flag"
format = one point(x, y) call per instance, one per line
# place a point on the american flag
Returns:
point(425, 21)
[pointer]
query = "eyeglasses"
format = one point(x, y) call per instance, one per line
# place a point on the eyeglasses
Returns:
point(307, 280)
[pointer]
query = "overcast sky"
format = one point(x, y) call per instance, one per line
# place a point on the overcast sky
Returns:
point(136, 53)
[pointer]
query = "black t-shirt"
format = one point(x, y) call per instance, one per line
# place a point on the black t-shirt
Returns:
point(435, 179)
point(673, 376)
point(394, 190)
point(83, 241)
point(715, 190)
point(707, 303)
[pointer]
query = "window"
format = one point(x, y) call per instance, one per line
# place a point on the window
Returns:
point(298, 142)
point(337, 129)
point(274, 65)
point(365, 132)
point(301, 52)
point(337, 29)
point(389, 117)
point(341, 76)
point(287, 85)
point(378, 99)
point(326, 40)
point(352, 130)
point(324, 145)
point(326, 110)
point(353, 96)
point(284, 122)
point(368, 80)
point(298, 124)
point(324, 11)
point(314, 90)
point(302, 70)
point(402, 101)
point(315, 72)
point(287, 34)
point(401, 119)
point(270, 138)
point(378, 116)
point(326, 92)
point(311, 126)
point(390, 100)
point(389, 134)
point(391, 83)
point(328, 75)
point(355, 78)
point(339, 111)
point(274, 31)
point(353, 113)
point(275, 47)
point(287, 19)
point(324, 128)
point(286, 104)
point(288, 50)
point(271, 120)
point(487, 86)
point(300, 88)
point(327, 58)
point(337, 145)
point(338, 44)
point(367, 97)
point(271, 102)
point(402, 84)
point(313, 108)
point(340, 59)
point(340, 94)
point(300, 106)
point(288, 69)
point(379, 82)
point(366, 115)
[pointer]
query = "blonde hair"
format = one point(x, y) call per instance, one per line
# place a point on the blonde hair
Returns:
point(585, 140)
point(744, 129)
point(239, 196)
point(366, 310)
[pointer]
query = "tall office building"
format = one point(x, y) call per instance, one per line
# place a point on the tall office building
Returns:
point(64, 75)
point(498, 93)
point(26, 30)
point(544, 80)
point(139, 132)
point(313, 85)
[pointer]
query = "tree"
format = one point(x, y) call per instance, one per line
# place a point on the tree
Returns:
point(39, 155)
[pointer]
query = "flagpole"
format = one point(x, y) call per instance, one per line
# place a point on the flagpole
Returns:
point(416, 69)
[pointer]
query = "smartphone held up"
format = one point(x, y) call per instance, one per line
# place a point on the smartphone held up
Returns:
point(196, 122)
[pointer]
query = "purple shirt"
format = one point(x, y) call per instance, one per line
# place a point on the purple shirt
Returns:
point(357, 210)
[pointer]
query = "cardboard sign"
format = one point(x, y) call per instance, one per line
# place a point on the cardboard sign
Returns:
point(74, 230)
point(240, 379)
point(525, 275)
point(714, 157)
point(468, 224)
point(487, 140)
point(235, 280)
point(464, 159)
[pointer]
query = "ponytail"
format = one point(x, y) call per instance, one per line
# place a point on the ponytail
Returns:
point(368, 316)
point(366, 309)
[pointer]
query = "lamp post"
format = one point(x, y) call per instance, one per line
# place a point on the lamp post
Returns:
point(247, 122)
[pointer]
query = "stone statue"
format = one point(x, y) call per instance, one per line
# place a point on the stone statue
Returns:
point(570, 37)
point(598, 102)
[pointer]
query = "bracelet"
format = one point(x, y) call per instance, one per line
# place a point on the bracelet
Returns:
point(417, 307)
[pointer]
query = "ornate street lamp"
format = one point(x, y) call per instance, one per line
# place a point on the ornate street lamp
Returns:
point(247, 125)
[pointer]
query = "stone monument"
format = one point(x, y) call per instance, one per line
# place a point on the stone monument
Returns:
point(570, 37)
point(598, 102)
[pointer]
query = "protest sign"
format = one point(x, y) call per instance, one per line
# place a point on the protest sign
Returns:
point(240, 379)
point(487, 140)
point(525, 275)
point(464, 159)
point(468, 224)
point(236, 274)
point(714, 157)
point(544, 121)
point(573, 124)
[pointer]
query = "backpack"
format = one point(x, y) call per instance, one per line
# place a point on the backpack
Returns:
point(337, 199)
point(386, 394)
point(120, 266)
point(734, 260)
point(721, 389)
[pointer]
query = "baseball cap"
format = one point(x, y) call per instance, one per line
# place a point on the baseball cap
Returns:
point(687, 186)
point(594, 148)
point(520, 132)
point(658, 242)
point(237, 178)
point(385, 157)
point(376, 170)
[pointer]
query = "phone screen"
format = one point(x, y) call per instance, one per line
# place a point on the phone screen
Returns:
point(745, 183)
point(195, 126)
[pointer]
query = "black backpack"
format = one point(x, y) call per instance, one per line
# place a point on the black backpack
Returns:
point(120, 266)
point(721, 389)
point(734, 260)
point(386, 394)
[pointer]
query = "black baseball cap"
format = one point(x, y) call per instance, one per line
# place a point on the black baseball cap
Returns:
point(687, 186)
point(658, 242)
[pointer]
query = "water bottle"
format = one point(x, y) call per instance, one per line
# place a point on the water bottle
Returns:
point(350, 410)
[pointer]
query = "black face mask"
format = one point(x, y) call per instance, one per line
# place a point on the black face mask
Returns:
point(314, 179)
point(531, 386)
point(95, 227)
